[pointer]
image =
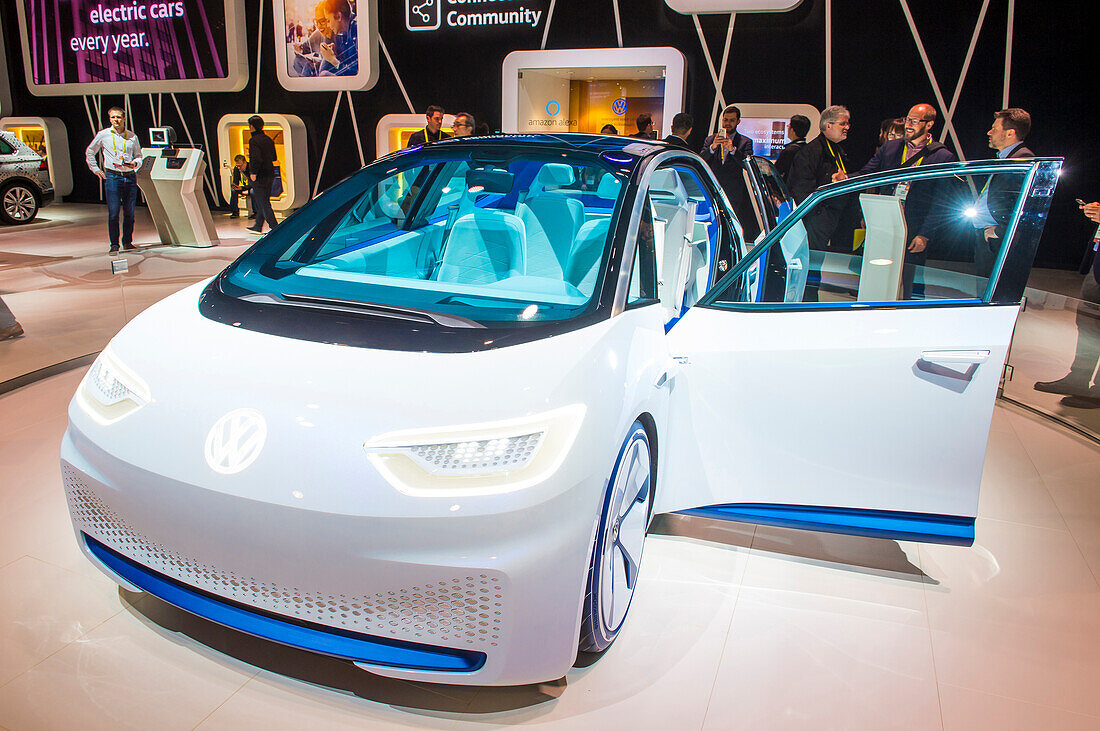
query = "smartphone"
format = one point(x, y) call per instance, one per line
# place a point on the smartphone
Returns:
point(1080, 202)
point(721, 132)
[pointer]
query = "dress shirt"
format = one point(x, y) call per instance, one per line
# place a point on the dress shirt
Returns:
point(117, 148)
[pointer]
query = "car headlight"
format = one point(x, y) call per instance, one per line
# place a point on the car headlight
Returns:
point(477, 459)
point(110, 390)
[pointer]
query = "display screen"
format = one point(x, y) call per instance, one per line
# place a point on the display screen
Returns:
point(325, 45)
point(112, 42)
point(768, 135)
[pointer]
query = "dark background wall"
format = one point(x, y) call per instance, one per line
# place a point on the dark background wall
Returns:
point(877, 73)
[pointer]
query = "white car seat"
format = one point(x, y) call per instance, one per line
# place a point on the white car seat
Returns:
point(552, 221)
point(483, 247)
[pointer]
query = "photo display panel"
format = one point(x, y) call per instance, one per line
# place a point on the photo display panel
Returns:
point(81, 46)
point(326, 46)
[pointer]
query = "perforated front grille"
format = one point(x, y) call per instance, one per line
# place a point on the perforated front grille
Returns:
point(463, 609)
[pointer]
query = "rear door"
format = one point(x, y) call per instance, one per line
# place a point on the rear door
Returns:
point(852, 389)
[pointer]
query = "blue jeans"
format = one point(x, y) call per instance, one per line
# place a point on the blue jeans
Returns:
point(121, 194)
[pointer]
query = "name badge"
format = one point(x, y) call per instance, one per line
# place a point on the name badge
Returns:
point(902, 190)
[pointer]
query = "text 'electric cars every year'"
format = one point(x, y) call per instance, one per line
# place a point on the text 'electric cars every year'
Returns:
point(423, 425)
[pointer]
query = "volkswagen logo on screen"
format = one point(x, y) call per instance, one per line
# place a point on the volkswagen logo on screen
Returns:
point(553, 108)
point(235, 441)
point(619, 106)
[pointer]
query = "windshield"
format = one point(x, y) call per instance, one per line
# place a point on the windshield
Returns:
point(476, 237)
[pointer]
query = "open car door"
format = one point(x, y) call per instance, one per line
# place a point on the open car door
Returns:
point(852, 389)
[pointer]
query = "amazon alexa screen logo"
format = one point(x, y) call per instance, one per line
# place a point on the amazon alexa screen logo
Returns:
point(423, 14)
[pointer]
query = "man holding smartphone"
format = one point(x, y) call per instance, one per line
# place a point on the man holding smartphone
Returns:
point(726, 151)
point(121, 159)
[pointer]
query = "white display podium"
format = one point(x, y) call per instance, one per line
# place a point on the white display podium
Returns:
point(883, 248)
point(172, 185)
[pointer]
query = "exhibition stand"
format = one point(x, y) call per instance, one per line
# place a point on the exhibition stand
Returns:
point(46, 136)
point(291, 189)
point(581, 90)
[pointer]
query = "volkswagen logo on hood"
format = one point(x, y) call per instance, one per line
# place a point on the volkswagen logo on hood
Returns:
point(235, 441)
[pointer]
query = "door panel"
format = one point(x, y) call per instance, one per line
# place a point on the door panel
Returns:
point(813, 405)
point(832, 408)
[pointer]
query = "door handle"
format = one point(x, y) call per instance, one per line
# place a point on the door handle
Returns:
point(955, 357)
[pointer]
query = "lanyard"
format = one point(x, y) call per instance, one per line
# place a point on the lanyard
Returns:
point(114, 146)
point(836, 157)
point(905, 155)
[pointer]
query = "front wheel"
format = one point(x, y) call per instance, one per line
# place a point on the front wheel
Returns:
point(617, 556)
point(17, 204)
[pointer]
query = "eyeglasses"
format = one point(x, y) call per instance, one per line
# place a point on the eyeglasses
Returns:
point(911, 120)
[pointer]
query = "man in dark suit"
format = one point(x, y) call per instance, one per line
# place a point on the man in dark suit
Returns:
point(725, 153)
point(916, 147)
point(820, 162)
point(682, 125)
point(646, 130)
point(797, 129)
point(998, 198)
point(1077, 386)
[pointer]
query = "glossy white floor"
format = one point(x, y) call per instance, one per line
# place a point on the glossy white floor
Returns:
point(732, 627)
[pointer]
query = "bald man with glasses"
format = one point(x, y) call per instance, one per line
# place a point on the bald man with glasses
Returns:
point(915, 148)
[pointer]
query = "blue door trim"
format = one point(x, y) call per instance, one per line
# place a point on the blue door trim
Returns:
point(921, 527)
point(330, 641)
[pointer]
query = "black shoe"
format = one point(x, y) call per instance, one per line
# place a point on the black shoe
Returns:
point(12, 331)
point(1070, 385)
point(234, 215)
point(255, 229)
point(129, 247)
point(113, 251)
point(1082, 402)
point(252, 217)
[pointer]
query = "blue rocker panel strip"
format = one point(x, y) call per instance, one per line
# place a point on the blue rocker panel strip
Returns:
point(921, 527)
point(330, 641)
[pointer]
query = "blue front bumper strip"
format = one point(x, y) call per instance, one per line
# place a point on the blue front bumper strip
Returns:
point(330, 641)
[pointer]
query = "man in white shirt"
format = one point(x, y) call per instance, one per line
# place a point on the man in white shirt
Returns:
point(121, 159)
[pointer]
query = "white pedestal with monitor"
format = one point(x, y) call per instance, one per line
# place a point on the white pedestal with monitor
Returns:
point(47, 137)
point(177, 204)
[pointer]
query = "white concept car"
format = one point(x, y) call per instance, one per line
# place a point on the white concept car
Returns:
point(424, 423)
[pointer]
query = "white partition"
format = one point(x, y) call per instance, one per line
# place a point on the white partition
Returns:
point(56, 139)
point(883, 248)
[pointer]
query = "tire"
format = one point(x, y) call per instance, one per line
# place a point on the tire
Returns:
point(620, 537)
point(18, 203)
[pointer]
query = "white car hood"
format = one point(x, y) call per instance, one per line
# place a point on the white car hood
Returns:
point(321, 402)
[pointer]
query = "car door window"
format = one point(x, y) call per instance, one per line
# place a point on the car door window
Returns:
point(686, 236)
point(922, 237)
point(5, 148)
point(643, 271)
point(772, 198)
